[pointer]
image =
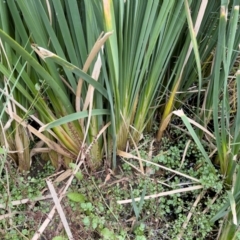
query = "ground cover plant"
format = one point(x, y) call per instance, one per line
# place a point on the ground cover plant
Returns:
point(84, 84)
point(92, 207)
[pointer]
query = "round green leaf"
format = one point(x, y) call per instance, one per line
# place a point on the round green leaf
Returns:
point(79, 176)
point(76, 197)
point(59, 238)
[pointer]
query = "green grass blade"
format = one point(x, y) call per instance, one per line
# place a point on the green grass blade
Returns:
point(39, 69)
point(135, 207)
point(184, 118)
point(195, 48)
point(53, 57)
point(142, 197)
point(73, 117)
point(236, 128)
point(217, 70)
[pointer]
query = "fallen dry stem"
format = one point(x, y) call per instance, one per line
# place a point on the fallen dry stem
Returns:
point(184, 226)
point(131, 156)
point(185, 153)
point(212, 202)
point(59, 209)
point(26, 200)
point(52, 212)
point(162, 194)
point(8, 215)
point(80, 160)
point(130, 164)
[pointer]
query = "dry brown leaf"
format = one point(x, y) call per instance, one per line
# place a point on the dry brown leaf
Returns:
point(51, 144)
point(97, 46)
point(108, 177)
point(64, 175)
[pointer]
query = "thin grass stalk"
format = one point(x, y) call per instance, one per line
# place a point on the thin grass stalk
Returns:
point(17, 136)
point(222, 57)
point(157, 70)
point(133, 83)
point(52, 24)
point(182, 65)
point(230, 227)
point(228, 136)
